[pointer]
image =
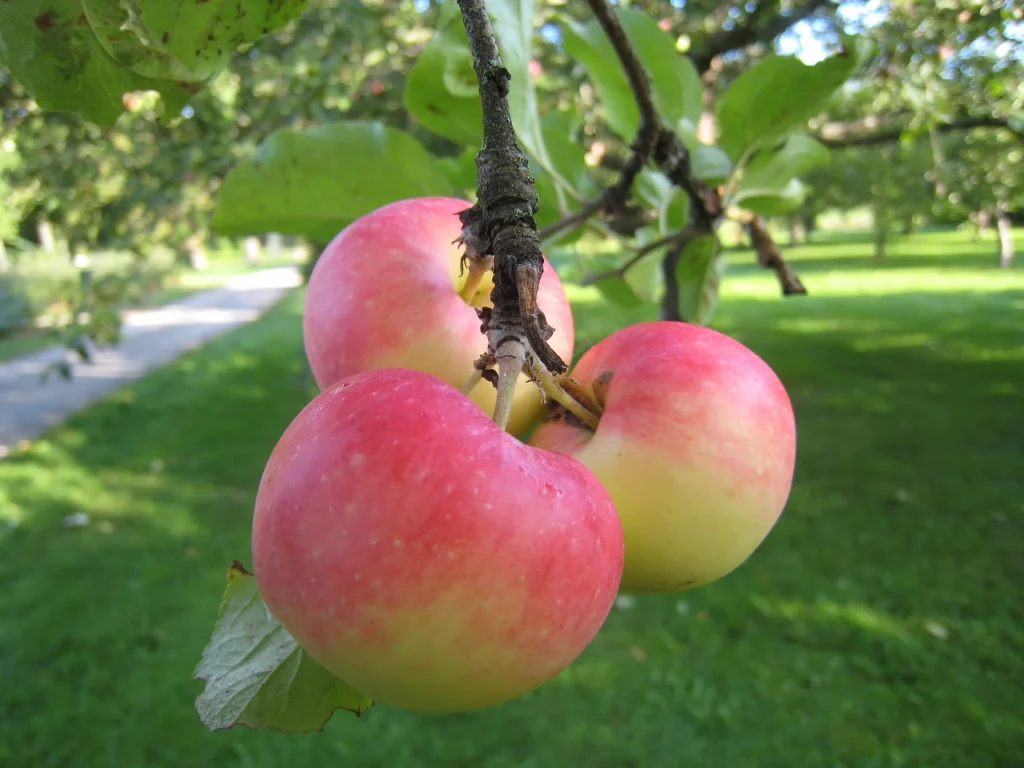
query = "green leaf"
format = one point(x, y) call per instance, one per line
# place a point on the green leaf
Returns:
point(646, 277)
point(442, 90)
point(565, 122)
point(678, 92)
point(568, 157)
point(61, 62)
point(769, 173)
point(618, 291)
point(315, 182)
point(708, 163)
point(699, 274)
point(675, 84)
point(785, 200)
point(547, 194)
point(780, 94)
point(200, 37)
point(84, 55)
point(669, 202)
point(798, 154)
point(513, 26)
point(460, 171)
point(257, 675)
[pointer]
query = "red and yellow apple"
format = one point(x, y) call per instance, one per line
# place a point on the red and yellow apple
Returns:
point(386, 293)
point(425, 556)
point(696, 445)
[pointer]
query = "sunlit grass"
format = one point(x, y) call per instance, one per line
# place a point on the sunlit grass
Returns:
point(879, 624)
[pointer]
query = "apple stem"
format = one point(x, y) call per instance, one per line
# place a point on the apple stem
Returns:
point(511, 357)
point(478, 268)
point(552, 389)
point(471, 381)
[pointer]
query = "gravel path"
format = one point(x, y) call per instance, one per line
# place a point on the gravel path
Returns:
point(151, 338)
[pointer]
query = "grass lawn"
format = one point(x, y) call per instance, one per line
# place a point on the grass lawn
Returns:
point(881, 623)
point(24, 343)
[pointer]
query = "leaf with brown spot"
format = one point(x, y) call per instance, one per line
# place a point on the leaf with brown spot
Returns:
point(84, 55)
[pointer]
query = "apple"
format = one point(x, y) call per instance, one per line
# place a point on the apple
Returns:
point(425, 556)
point(385, 293)
point(696, 444)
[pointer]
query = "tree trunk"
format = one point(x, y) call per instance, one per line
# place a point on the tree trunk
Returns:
point(938, 161)
point(44, 231)
point(810, 222)
point(982, 220)
point(908, 225)
point(274, 245)
point(1005, 230)
point(880, 214)
point(252, 251)
point(197, 258)
point(794, 231)
point(3, 256)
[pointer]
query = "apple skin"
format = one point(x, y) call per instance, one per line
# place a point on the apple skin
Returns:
point(428, 558)
point(384, 294)
point(696, 444)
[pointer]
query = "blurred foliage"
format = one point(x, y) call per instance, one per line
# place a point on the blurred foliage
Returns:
point(937, 65)
point(152, 180)
point(79, 306)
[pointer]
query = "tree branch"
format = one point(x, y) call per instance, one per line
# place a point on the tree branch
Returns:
point(667, 151)
point(650, 124)
point(673, 158)
point(614, 197)
point(670, 301)
point(502, 223)
point(883, 129)
point(684, 235)
point(654, 140)
point(769, 257)
point(754, 28)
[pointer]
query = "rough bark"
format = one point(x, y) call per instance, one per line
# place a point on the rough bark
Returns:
point(501, 223)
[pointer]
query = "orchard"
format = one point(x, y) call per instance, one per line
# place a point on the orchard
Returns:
point(479, 474)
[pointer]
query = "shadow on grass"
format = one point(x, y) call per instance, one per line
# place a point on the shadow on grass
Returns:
point(877, 626)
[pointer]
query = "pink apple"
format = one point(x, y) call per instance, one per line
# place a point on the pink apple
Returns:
point(696, 444)
point(385, 293)
point(423, 555)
